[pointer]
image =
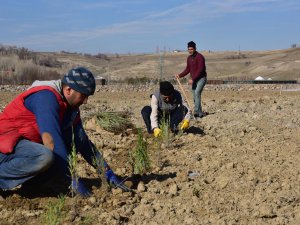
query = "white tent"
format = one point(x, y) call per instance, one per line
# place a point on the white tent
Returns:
point(259, 78)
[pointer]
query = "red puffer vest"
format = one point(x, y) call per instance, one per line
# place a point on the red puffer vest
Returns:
point(17, 122)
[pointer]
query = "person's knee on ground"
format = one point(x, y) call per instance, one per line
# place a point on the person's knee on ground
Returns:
point(43, 161)
point(25, 167)
point(146, 112)
point(176, 118)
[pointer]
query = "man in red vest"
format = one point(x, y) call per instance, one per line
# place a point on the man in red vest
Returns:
point(37, 130)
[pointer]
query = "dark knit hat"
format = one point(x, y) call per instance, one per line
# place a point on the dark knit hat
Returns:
point(80, 79)
point(191, 44)
point(166, 88)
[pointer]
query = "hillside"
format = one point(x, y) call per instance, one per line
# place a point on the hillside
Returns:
point(278, 65)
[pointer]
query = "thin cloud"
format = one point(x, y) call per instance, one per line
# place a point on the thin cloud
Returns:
point(237, 6)
point(86, 6)
point(110, 4)
point(196, 11)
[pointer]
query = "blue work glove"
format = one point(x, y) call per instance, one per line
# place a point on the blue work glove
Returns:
point(79, 188)
point(114, 181)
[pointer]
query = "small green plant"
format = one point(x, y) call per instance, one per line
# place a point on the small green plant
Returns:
point(87, 220)
point(139, 157)
point(165, 130)
point(54, 212)
point(138, 80)
point(99, 165)
point(115, 122)
point(72, 161)
point(157, 147)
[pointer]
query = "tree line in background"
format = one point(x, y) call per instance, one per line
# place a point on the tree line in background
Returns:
point(22, 66)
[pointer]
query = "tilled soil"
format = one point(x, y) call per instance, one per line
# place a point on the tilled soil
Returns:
point(237, 165)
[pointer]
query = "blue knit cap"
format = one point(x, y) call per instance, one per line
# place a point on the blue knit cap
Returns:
point(80, 79)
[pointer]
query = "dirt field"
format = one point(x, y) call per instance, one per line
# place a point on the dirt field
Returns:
point(238, 165)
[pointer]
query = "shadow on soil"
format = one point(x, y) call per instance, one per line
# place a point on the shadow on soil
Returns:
point(195, 130)
point(53, 190)
point(136, 178)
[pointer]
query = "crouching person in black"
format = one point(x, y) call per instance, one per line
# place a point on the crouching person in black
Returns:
point(166, 103)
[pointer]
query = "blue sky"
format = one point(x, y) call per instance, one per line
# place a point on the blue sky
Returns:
point(140, 26)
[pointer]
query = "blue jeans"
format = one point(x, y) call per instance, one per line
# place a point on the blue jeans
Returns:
point(26, 161)
point(197, 96)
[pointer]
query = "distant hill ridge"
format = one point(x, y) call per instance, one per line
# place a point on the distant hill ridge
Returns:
point(226, 65)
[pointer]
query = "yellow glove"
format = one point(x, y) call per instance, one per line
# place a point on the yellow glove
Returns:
point(185, 124)
point(157, 132)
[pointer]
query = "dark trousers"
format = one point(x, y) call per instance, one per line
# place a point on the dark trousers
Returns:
point(175, 117)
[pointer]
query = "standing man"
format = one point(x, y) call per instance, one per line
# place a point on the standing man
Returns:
point(166, 103)
point(196, 67)
point(38, 128)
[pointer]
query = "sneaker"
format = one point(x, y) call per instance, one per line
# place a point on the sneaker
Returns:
point(199, 116)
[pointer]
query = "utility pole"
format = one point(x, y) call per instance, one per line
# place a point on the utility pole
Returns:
point(161, 65)
point(108, 73)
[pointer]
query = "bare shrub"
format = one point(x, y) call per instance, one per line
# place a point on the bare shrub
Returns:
point(239, 56)
point(28, 72)
point(139, 80)
point(50, 75)
point(25, 54)
point(22, 53)
point(22, 66)
point(8, 62)
point(8, 50)
point(102, 56)
point(47, 61)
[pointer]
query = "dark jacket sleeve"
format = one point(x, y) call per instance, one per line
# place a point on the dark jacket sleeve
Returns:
point(86, 148)
point(186, 70)
point(82, 143)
